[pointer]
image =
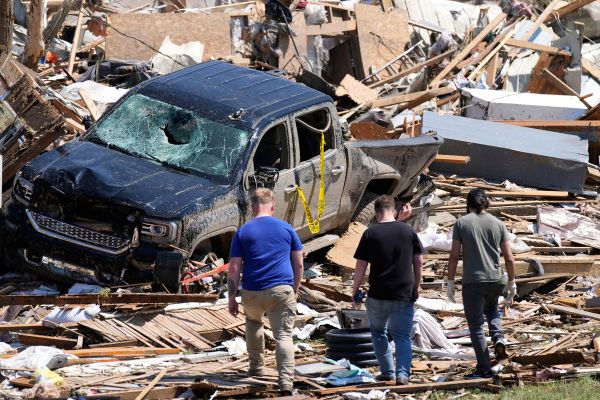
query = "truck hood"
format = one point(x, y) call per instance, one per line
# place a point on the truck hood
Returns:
point(84, 169)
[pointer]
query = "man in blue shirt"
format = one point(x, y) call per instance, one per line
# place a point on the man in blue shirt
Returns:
point(270, 254)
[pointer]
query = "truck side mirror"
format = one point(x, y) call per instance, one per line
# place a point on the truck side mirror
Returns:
point(263, 177)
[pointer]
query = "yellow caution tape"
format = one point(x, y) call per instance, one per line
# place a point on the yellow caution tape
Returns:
point(315, 225)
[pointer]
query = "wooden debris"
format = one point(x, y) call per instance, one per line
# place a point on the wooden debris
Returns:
point(110, 298)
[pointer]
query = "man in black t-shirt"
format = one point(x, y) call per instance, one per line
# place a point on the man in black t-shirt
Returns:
point(395, 254)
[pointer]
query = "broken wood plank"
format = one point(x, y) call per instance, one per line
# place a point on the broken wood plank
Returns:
point(591, 69)
point(89, 103)
point(563, 249)
point(555, 359)
point(61, 342)
point(410, 388)
point(593, 173)
point(573, 311)
point(451, 159)
point(122, 352)
point(409, 97)
point(473, 75)
point(155, 394)
point(563, 87)
point(469, 47)
point(151, 385)
point(523, 44)
point(567, 9)
point(540, 19)
point(528, 193)
point(331, 29)
point(76, 38)
point(111, 298)
point(578, 125)
point(415, 68)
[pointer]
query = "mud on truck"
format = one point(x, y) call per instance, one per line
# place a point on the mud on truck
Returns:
point(156, 188)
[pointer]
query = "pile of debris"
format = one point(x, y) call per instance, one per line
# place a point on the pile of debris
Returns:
point(514, 90)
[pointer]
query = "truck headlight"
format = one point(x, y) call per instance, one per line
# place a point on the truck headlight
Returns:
point(22, 190)
point(160, 230)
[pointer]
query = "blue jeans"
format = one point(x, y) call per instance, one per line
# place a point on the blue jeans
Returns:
point(481, 299)
point(399, 315)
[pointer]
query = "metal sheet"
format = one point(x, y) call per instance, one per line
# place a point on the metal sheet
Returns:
point(530, 157)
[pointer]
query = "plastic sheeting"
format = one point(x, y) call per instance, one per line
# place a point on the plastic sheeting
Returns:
point(427, 333)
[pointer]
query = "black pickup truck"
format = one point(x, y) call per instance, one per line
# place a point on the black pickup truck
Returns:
point(165, 175)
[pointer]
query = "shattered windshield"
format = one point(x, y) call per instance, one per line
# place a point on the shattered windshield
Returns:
point(173, 136)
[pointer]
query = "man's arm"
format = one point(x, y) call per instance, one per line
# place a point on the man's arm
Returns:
point(453, 260)
point(298, 268)
point(359, 274)
point(509, 260)
point(233, 282)
point(417, 270)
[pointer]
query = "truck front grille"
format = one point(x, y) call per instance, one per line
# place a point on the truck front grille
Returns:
point(74, 234)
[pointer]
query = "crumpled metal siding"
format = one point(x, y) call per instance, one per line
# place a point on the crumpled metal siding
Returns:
point(531, 157)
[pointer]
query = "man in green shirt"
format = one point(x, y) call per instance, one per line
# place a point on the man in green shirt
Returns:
point(481, 236)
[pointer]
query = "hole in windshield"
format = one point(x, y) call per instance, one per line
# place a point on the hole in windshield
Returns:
point(174, 136)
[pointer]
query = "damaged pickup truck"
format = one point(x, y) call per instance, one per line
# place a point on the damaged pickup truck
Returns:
point(164, 177)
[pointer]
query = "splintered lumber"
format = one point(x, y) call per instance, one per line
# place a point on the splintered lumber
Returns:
point(447, 158)
point(415, 68)
point(571, 357)
point(111, 298)
point(523, 44)
point(410, 388)
point(528, 193)
point(76, 38)
point(540, 19)
point(153, 383)
point(570, 125)
point(409, 97)
point(593, 174)
point(469, 47)
point(155, 394)
point(60, 342)
point(567, 9)
point(591, 69)
point(573, 311)
point(122, 352)
point(473, 75)
point(562, 86)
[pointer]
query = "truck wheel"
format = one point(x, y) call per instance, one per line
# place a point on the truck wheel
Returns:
point(365, 212)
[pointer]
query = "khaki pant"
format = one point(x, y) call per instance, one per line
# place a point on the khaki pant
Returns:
point(279, 303)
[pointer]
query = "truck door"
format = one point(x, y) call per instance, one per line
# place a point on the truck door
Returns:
point(274, 150)
point(307, 126)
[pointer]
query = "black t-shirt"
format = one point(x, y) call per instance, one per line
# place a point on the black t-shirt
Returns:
point(389, 248)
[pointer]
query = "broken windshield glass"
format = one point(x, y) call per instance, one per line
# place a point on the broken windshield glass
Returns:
point(158, 131)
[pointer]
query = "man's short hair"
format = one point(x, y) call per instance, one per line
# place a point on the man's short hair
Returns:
point(262, 196)
point(384, 203)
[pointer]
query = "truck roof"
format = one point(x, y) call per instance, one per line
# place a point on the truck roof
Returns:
point(217, 89)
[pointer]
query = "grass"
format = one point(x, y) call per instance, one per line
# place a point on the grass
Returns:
point(578, 389)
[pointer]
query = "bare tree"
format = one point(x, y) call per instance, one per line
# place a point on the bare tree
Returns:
point(6, 25)
point(34, 48)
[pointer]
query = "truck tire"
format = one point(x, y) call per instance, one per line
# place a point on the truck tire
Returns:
point(365, 212)
point(334, 345)
point(362, 335)
point(353, 357)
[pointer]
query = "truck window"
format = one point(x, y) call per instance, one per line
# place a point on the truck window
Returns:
point(272, 149)
point(309, 128)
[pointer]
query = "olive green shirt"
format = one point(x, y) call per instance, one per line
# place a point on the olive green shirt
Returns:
point(481, 236)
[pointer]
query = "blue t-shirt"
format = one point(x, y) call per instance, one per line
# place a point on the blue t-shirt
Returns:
point(265, 244)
